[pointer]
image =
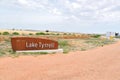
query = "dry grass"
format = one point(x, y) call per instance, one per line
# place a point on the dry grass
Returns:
point(69, 42)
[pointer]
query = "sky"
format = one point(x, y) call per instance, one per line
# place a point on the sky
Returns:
point(83, 16)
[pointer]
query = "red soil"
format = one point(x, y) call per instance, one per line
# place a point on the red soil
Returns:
point(102, 63)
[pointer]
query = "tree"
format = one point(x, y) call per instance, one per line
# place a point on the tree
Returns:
point(47, 31)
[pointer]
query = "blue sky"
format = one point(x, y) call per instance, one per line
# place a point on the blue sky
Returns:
point(84, 16)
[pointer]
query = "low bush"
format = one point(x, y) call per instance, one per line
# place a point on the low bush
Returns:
point(6, 33)
point(47, 34)
point(40, 33)
point(96, 36)
point(30, 33)
point(65, 34)
point(57, 34)
point(64, 45)
point(15, 33)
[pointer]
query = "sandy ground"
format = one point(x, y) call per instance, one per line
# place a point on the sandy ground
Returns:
point(102, 63)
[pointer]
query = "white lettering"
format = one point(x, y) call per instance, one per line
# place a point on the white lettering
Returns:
point(40, 45)
point(31, 45)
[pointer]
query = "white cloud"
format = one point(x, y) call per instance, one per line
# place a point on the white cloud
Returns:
point(81, 9)
point(30, 4)
point(23, 2)
point(55, 11)
point(76, 5)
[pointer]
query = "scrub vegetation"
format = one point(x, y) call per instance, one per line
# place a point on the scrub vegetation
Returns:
point(69, 42)
point(5, 33)
point(15, 33)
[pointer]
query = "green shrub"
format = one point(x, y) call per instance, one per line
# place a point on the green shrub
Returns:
point(69, 33)
point(64, 45)
point(5, 33)
point(47, 34)
point(30, 33)
point(57, 34)
point(40, 33)
point(0, 33)
point(96, 36)
point(65, 33)
point(15, 33)
point(66, 49)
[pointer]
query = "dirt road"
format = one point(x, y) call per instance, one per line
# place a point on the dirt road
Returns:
point(102, 63)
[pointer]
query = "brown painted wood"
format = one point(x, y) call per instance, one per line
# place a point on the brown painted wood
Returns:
point(28, 43)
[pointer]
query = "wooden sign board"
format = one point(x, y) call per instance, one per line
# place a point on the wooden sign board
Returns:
point(28, 43)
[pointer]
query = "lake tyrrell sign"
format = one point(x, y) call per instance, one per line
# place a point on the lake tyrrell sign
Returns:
point(28, 43)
